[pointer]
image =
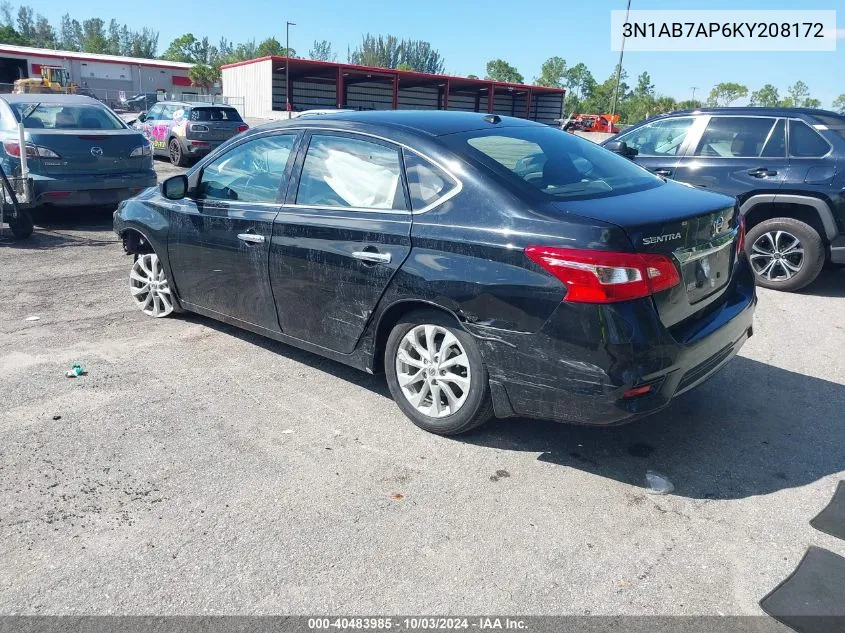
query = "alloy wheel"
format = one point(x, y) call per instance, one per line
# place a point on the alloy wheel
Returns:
point(149, 286)
point(433, 370)
point(175, 152)
point(777, 255)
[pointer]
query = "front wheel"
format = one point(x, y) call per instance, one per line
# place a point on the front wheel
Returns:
point(149, 286)
point(785, 253)
point(436, 375)
point(177, 156)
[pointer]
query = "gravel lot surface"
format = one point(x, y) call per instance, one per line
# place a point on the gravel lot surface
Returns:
point(199, 469)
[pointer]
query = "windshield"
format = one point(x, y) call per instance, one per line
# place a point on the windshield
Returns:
point(215, 114)
point(54, 116)
point(551, 162)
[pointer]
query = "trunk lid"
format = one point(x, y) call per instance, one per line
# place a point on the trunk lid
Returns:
point(90, 151)
point(213, 123)
point(696, 229)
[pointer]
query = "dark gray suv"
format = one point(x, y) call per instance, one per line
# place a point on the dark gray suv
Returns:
point(786, 166)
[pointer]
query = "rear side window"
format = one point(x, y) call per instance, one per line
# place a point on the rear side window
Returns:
point(805, 142)
point(548, 161)
point(661, 138)
point(735, 137)
point(775, 146)
point(215, 114)
point(426, 182)
point(348, 172)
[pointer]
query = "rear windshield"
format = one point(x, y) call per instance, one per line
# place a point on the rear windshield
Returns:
point(54, 116)
point(215, 114)
point(552, 162)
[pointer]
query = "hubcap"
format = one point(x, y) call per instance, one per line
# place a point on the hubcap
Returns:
point(777, 255)
point(433, 370)
point(149, 286)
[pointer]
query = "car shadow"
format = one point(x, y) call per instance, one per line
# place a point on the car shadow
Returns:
point(829, 283)
point(752, 429)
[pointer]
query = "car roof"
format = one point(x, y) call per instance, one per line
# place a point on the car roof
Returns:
point(752, 110)
point(430, 122)
point(197, 104)
point(61, 99)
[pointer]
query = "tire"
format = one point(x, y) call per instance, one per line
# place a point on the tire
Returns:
point(150, 287)
point(22, 226)
point(785, 254)
point(460, 410)
point(177, 156)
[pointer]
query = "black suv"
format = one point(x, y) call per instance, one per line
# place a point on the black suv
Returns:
point(786, 166)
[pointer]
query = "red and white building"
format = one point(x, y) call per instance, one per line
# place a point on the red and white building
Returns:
point(102, 74)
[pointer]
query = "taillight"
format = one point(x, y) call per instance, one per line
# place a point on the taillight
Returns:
point(740, 235)
point(603, 276)
point(243, 128)
point(13, 148)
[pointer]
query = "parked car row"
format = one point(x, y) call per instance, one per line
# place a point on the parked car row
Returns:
point(488, 265)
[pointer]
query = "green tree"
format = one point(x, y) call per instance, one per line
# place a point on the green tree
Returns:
point(94, 36)
point(500, 70)
point(472, 76)
point(203, 76)
point(797, 94)
point(688, 104)
point(421, 56)
point(6, 9)
point(725, 93)
point(839, 104)
point(182, 49)
point(404, 66)
point(68, 36)
point(45, 34)
point(644, 86)
point(322, 51)
point(8, 35)
point(26, 23)
point(377, 51)
point(552, 72)
point(767, 97)
point(812, 103)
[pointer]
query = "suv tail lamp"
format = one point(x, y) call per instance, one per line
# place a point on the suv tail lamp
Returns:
point(740, 235)
point(605, 276)
point(243, 128)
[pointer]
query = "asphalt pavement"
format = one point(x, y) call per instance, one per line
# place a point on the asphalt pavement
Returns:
point(199, 469)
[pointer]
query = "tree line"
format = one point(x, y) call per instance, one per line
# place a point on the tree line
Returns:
point(23, 26)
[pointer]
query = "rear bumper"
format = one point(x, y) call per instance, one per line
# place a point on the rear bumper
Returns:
point(90, 189)
point(579, 366)
point(191, 149)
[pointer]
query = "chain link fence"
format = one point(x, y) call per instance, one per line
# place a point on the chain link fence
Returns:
point(123, 101)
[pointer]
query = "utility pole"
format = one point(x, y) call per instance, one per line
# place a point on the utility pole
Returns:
point(287, 67)
point(694, 88)
point(619, 71)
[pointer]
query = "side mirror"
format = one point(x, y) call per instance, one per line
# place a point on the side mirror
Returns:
point(142, 117)
point(175, 187)
point(621, 148)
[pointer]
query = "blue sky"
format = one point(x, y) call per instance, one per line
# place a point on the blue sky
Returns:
point(468, 34)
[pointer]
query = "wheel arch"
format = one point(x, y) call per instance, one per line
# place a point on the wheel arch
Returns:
point(391, 316)
point(807, 209)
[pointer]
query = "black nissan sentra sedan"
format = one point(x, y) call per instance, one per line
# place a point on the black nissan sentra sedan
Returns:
point(488, 265)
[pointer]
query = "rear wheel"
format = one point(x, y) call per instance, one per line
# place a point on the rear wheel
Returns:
point(177, 156)
point(436, 375)
point(785, 253)
point(21, 226)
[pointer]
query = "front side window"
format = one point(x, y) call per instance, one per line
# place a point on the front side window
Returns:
point(661, 138)
point(551, 162)
point(348, 172)
point(427, 183)
point(805, 142)
point(734, 137)
point(251, 172)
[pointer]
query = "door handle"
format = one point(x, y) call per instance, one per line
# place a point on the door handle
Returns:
point(251, 238)
point(762, 172)
point(663, 172)
point(373, 257)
